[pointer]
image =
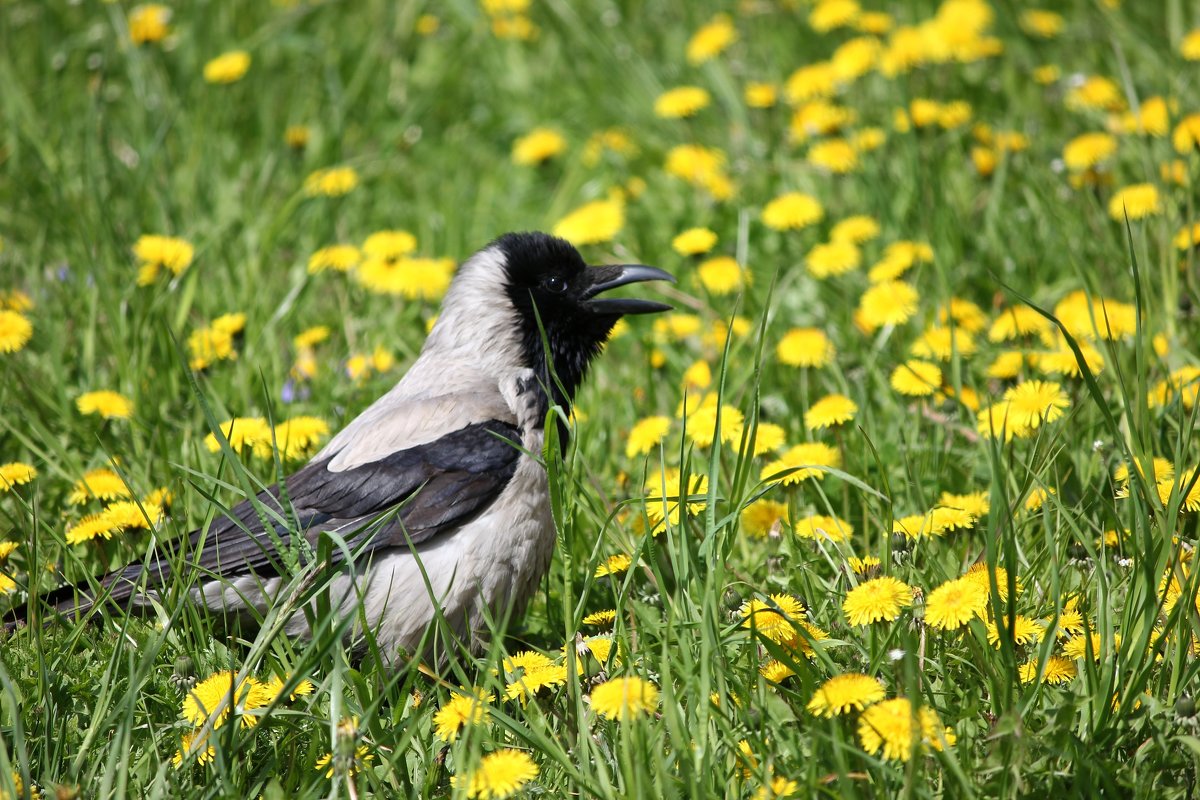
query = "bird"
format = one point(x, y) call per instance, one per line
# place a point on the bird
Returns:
point(439, 488)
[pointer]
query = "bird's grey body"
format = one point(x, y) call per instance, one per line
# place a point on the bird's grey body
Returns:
point(439, 487)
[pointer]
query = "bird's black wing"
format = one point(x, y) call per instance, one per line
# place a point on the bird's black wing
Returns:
point(429, 488)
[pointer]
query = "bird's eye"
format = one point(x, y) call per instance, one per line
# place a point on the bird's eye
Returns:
point(555, 283)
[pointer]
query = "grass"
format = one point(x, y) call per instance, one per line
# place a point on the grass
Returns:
point(103, 142)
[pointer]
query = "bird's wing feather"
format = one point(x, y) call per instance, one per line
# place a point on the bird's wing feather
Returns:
point(431, 488)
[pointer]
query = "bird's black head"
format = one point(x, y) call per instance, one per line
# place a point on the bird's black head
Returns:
point(554, 291)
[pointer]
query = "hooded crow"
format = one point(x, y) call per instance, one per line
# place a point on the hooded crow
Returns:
point(439, 487)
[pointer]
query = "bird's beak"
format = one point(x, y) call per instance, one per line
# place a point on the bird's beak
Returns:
point(614, 275)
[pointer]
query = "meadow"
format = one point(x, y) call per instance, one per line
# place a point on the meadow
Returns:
point(900, 500)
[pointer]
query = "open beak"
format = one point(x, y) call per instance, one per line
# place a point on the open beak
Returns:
point(615, 275)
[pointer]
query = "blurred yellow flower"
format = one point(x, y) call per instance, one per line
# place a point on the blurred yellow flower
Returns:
point(893, 728)
point(149, 23)
point(830, 14)
point(1041, 23)
point(1088, 150)
point(805, 347)
point(332, 182)
point(805, 461)
point(99, 484)
point(462, 710)
point(625, 699)
point(1135, 202)
point(841, 694)
point(297, 136)
point(917, 378)
point(721, 275)
point(792, 211)
point(646, 435)
point(830, 411)
point(694, 241)
point(245, 434)
point(228, 67)
point(888, 303)
point(15, 473)
point(108, 404)
point(499, 774)
point(15, 331)
point(711, 39)
point(761, 95)
point(1095, 93)
point(592, 223)
point(538, 146)
point(414, 278)
point(682, 101)
point(857, 229)
point(156, 253)
point(821, 528)
point(832, 258)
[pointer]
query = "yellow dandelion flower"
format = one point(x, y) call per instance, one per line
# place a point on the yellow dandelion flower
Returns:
point(646, 435)
point(389, 244)
point(761, 95)
point(337, 257)
point(614, 565)
point(156, 253)
point(917, 378)
point(361, 758)
point(857, 230)
point(625, 699)
point(811, 82)
point(297, 136)
point(15, 331)
point(722, 275)
point(311, 337)
point(764, 517)
point(954, 604)
point(1030, 403)
point(228, 67)
point(830, 411)
point(823, 528)
point(332, 182)
point(694, 242)
point(106, 403)
point(148, 23)
point(498, 775)
point(663, 504)
point(15, 473)
point(100, 484)
point(975, 503)
point(828, 15)
point(463, 709)
point(864, 565)
point(842, 694)
point(681, 102)
point(90, 527)
point(711, 39)
point(1186, 136)
point(413, 278)
point(1015, 322)
point(836, 156)
point(833, 258)
point(126, 514)
point(245, 434)
point(592, 223)
point(888, 303)
point(1023, 631)
point(774, 618)
point(215, 698)
point(880, 599)
point(297, 436)
point(1041, 23)
point(209, 345)
point(1135, 202)
point(191, 743)
point(702, 425)
point(775, 671)
point(792, 211)
point(1058, 671)
point(538, 146)
point(1047, 74)
point(896, 728)
point(805, 347)
point(805, 461)
point(768, 437)
point(601, 618)
point(1077, 647)
point(1095, 93)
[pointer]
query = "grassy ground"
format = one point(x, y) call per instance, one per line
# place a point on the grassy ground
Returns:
point(1065, 663)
